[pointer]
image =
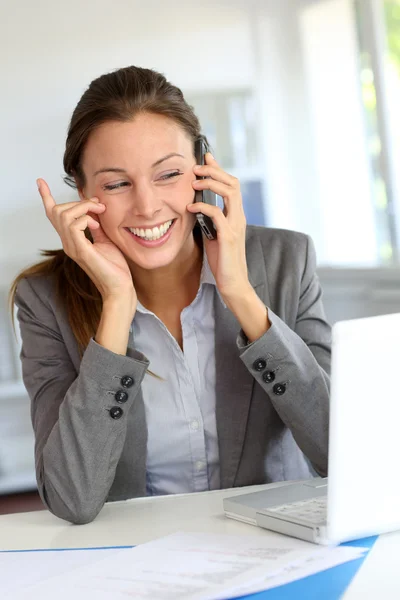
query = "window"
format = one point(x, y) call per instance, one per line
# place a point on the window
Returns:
point(379, 40)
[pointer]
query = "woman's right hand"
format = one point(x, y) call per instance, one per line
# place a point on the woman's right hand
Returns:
point(102, 261)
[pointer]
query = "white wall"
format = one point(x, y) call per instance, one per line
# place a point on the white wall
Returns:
point(311, 136)
point(50, 51)
point(285, 119)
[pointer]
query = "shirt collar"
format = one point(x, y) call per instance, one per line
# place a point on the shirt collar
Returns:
point(206, 275)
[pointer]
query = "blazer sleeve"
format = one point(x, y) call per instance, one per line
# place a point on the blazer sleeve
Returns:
point(293, 367)
point(78, 439)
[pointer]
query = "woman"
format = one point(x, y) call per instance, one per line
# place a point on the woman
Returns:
point(158, 362)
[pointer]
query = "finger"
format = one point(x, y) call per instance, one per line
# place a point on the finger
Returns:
point(233, 205)
point(67, 205)
point(54, 210)
point(216, 173)
point(66, 216)
point(49, 201)
point(209, 159)
point(216, 186)
point(47, 198)
point(214, 212)
point(74, 238)
point(98, 234)
point(81, 223)
point(95, 227)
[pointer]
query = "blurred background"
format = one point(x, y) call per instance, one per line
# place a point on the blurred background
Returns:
point(299, 99)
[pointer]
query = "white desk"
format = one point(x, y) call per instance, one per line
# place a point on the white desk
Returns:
point(137, 521)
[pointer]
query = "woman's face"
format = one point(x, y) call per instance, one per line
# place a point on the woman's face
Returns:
point(142, 171)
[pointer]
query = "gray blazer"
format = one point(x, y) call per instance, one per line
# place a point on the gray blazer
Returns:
point(272, 395)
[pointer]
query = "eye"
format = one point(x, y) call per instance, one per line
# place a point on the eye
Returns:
point(170, 175)
point(115, 186)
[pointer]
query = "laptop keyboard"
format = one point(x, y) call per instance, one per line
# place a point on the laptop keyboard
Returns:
point(313, 510)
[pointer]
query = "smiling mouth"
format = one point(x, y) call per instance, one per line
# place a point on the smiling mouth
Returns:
point(150, 235)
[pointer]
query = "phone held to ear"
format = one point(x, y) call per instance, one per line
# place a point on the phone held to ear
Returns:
point(207, 196)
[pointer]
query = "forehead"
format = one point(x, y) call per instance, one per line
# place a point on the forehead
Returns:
point(142, 140)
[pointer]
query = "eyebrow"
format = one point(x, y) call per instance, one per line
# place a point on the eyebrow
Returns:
point(118, 170)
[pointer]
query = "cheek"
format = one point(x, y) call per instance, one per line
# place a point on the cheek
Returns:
point(184, 194)
point(111, 217)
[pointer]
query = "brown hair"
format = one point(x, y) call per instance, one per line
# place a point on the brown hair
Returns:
point(116, 96)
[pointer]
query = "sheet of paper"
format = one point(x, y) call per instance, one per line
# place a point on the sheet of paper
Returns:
point(325, 559)
point(40, 565)
point(191, 566)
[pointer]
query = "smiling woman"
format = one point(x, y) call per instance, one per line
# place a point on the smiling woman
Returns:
point(143, 187)
point(232, 327)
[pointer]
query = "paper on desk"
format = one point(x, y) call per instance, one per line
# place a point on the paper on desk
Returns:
point(321, 561)
point(192, 566)
point(39, 565)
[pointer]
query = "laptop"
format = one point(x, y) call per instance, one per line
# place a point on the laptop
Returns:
point(362, 497)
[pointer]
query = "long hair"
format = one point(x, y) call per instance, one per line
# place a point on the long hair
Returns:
point(116, 96)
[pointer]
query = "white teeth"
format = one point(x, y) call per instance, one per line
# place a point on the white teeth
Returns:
point(151, 234)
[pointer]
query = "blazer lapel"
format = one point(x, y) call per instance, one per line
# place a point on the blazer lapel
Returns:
point(234, 383)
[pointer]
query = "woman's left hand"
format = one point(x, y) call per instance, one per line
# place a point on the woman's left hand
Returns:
point(226, 255)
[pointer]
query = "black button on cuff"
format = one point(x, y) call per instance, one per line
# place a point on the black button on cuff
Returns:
point(279, 389)
point(259, 364)
point(116, 412)
point(127, 381)
point(268, 376)
point(121, 396)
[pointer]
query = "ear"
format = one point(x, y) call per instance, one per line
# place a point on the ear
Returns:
point(82, 195)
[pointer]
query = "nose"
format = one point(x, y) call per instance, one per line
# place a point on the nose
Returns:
point(146, 201)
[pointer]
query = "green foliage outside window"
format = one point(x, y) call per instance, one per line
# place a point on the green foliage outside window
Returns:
point(392, 18)
point(391, 10)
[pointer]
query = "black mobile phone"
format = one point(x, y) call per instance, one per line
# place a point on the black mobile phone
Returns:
point(207, 196)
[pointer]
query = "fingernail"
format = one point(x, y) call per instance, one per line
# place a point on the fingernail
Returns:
point(38, 184)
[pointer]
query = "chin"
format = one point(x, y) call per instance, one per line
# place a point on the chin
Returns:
point(151, 260)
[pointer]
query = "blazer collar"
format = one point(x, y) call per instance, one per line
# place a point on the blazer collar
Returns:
point(256, 264)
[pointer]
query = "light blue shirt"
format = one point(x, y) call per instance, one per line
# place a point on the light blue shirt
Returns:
point(182, 446)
